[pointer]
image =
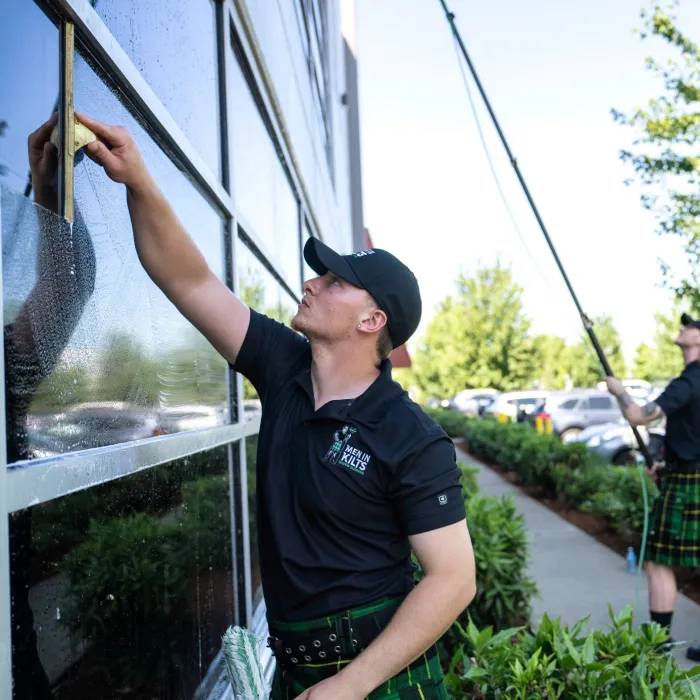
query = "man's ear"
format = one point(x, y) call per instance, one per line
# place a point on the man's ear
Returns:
point(373, 320)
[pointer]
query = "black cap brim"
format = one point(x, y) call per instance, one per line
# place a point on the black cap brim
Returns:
point(687, 320)
point(320, 258)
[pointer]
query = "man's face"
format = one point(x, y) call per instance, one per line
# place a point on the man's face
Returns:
point(689, 342)
point(331, 308)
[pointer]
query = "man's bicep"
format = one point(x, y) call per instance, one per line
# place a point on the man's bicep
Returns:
point(218, 314)
point(444, 549)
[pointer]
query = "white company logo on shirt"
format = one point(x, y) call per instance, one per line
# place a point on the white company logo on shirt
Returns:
point(341, 452)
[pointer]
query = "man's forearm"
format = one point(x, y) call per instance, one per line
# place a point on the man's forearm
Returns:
point(422, 619)
point(166, 251)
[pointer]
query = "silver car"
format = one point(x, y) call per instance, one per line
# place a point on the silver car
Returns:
point(573, 411)
point(615, 442)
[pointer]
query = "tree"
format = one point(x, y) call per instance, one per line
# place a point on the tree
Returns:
point(644, 358)
point(667, 158)
point(478, 338)
point(552, 361)
point(663, 360)
point(584, 367)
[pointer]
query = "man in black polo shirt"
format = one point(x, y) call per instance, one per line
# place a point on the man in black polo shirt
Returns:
point(674, 537)
point(352, 476)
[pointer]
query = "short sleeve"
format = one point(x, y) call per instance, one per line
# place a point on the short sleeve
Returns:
point(428, 493)
point(270, 352)
point(679, 393)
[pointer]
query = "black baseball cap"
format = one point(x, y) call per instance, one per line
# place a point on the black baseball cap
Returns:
point(392, 285)
point(688, 321)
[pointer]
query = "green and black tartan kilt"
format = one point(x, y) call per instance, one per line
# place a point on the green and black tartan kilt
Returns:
point(674, 532)
point(422, 680)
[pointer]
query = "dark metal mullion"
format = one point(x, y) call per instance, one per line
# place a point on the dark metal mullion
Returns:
point(221, 45)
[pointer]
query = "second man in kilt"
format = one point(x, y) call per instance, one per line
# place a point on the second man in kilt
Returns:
point(674, 535)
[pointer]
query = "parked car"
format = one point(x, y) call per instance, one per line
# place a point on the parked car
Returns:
point(573, 411)
point(516, 404)
point(472, 402)
point(616, 442)
point(89, 425)
point(635, 387)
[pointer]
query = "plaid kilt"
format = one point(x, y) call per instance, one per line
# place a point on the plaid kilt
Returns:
point(422, 680)
point(674, 532)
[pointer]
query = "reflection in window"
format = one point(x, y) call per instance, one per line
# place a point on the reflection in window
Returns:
point(251, 451)
point(308, 272)
point(261, 187)
point(313, 20)
point(95, 354)
point(173, 44)
point(259, 290)
point(28, 88)
point(128, 586)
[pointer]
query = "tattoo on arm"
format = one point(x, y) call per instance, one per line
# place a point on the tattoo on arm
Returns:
point(649, 409)
point(625, 401)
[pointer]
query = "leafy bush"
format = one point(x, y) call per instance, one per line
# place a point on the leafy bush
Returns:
point(504, 590)
point(501, 552)
point(136, 573)
point(561, 662)
point(555, 470)
point(129, 576)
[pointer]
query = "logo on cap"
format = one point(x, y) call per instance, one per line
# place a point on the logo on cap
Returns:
point(362, 253)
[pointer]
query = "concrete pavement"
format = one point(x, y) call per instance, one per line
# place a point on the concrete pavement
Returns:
point(577, 576)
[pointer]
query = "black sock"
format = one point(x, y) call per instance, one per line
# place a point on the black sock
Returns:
point(663, 618)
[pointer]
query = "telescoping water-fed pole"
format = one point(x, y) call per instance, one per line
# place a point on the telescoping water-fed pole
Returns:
point(587, 323)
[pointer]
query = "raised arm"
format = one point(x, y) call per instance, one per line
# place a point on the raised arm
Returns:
point(165, 250)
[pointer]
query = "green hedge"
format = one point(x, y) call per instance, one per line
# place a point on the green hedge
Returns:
point(568, 472)
point(504, 589)
point(556, 661)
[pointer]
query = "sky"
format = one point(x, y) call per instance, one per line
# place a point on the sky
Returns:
point(552, 71)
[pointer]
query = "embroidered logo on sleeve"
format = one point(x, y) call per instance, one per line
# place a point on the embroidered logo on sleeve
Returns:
point(442, 499)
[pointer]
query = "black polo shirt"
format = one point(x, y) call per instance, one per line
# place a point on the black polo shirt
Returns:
point(339, 490)
point(681, 404)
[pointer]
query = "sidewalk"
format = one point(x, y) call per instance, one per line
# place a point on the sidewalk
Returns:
point(576, 575)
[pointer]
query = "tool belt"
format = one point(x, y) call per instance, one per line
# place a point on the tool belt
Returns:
point(341, 636)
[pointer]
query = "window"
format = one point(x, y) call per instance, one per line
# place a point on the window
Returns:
point(569, 405)
point(173, 44)
point(89, 338)
point(29, 90)
point(260, 182)
point(259, 290)
point(126, 585)
point(251, 450)
point(600, 403)
point(313, 23)
point(307, 272)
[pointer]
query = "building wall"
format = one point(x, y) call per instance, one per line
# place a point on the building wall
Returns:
point(129, 475)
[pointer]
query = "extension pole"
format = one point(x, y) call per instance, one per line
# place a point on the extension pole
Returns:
point(587, 323)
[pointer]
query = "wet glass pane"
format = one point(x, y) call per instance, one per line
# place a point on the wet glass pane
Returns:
point(259, 290)
point(308, 272)
point(125, 589)
point(29, 74)
point(251, 450)
point(173, 44)
point(95, 354)
point(261, 189)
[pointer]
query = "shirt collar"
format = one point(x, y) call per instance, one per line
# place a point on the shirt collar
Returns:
point(368, 408)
